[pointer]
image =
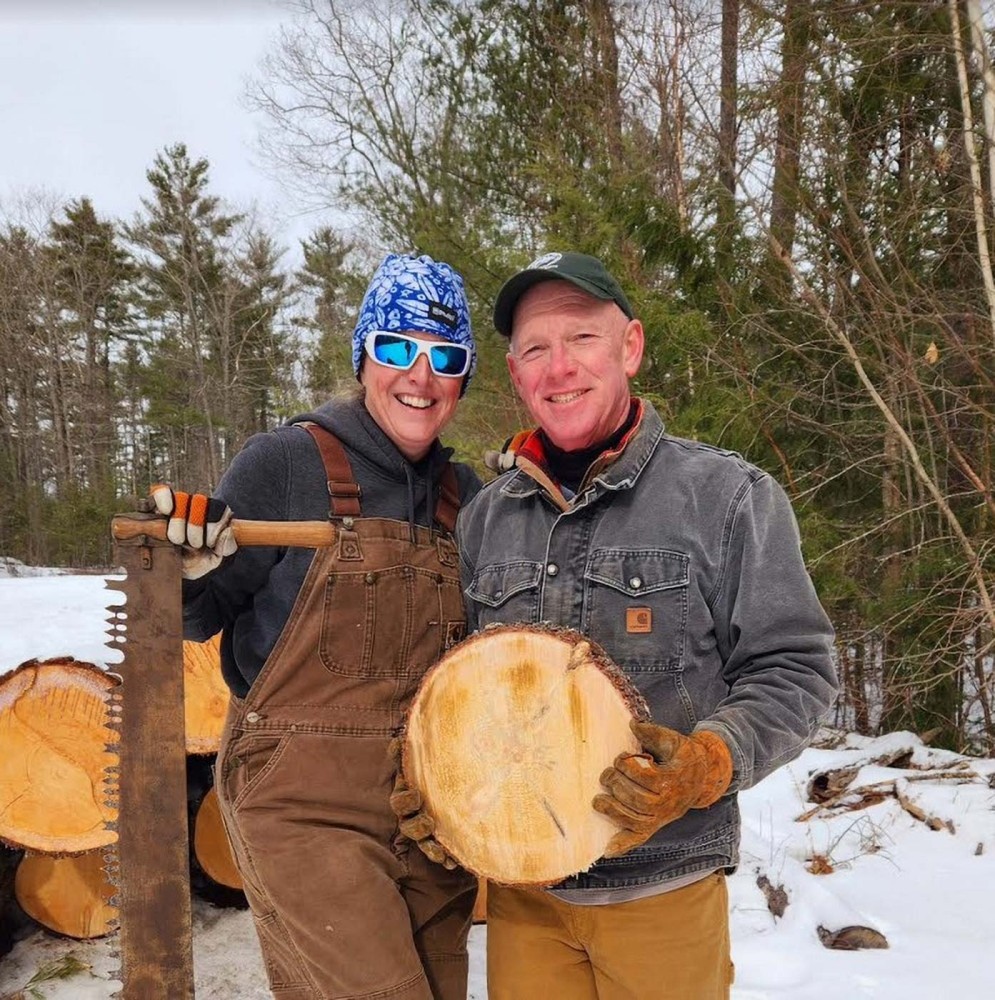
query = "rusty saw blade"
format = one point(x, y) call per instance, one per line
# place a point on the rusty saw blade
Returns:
point(150, 863)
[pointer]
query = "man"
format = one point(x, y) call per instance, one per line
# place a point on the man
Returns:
point(683, 562)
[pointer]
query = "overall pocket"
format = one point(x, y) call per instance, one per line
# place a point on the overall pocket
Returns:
point(247, 761)
point(391, 622)
point(636, 606)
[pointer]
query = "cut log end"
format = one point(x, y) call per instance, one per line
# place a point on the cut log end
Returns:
point(67, 895)
point(205, 695)
point(57, 738)
point(507, 739)
point(211, 848)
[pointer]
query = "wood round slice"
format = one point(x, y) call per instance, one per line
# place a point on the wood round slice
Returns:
point(69, 895)
point(205, 695)
point(506, 740)
point(211, 843)
point(54, 733)
point(213, 875)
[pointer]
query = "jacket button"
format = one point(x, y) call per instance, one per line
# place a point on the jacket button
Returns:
point(252, 717)
point(552, 569)
point(635, 583)
point(371, 578)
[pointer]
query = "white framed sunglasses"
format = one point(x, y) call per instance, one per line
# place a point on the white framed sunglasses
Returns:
point(398, 350)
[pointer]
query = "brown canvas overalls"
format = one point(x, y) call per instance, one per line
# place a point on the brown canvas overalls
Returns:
point(342, 907)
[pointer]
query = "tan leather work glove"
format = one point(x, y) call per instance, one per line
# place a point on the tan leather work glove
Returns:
point(413, 822)
point(646, 791)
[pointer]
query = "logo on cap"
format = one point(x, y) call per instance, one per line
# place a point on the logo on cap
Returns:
point(546, 262)
point(437, 311)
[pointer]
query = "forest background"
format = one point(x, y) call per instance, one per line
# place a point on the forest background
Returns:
point(797, 195)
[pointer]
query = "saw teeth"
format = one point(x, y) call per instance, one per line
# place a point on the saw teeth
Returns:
point(117, 617)
point(145, 713)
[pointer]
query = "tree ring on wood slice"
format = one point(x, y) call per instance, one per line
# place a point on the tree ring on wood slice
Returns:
point(55, 786)
point(506, 740)
point(205, 695)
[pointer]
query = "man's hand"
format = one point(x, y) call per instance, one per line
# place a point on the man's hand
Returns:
point(646, 791)
point(413, 822)
point(200, 524)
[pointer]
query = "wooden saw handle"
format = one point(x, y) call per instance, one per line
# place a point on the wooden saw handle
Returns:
point(304, 534)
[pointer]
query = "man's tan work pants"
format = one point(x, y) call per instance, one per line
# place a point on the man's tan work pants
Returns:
point(672, 946)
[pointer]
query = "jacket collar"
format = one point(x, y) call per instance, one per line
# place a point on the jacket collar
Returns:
point(615, 470)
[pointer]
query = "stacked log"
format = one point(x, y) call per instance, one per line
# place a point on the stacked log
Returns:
point(57, 782)
point(205, 695)
point(14, 922)
point(213, 875)
point(57, 779)
point(57, 740)
point(70, 895)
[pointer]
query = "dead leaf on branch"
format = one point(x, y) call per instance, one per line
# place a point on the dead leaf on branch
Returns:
point(853, 938)
point(777, 898)
point(819, 864)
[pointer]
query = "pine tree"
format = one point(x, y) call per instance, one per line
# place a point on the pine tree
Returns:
point(182, 240)
point(92, 272)
point(333, 291)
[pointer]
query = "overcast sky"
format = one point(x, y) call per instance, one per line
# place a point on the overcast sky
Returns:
point(91, 90)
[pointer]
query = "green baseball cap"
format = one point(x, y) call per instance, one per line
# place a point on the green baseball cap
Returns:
point(580, 269)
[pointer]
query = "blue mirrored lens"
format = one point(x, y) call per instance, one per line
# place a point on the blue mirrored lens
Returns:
point(448, 359)
point(394, 351)
point(401, 352)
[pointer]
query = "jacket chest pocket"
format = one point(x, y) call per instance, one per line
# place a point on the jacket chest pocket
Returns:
point(390, 622)
point(636, 606)
point(506, 592)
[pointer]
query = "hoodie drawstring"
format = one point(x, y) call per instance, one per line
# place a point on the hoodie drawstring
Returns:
point(411, 502)
point(429, 498)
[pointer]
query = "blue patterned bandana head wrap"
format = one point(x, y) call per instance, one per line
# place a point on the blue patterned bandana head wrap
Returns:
point(415, 295)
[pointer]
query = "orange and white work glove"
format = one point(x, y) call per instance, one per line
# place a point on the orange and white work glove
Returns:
point(200, 524)
point(503, 460)
point(412, 821)
point(646, 791)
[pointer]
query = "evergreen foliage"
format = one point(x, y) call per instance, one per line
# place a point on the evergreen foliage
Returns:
point(832, 317)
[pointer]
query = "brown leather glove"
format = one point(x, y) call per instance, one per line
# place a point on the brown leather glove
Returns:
point(649, 790)
point(413, 822)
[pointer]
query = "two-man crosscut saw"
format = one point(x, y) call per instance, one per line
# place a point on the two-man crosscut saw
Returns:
point(149, 863)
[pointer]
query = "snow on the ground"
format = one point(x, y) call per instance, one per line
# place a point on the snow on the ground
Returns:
point(929, 892)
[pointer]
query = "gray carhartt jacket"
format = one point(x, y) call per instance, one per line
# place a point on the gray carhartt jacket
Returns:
point(737, 642)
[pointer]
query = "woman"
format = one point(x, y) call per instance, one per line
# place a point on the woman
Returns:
point(323, 650)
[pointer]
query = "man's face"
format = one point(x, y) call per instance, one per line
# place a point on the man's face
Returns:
point(571, 359)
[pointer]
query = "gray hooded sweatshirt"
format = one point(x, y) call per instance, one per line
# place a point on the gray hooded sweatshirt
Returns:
point(278, 476)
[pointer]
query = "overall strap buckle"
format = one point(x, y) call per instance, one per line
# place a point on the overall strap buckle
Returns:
point(343, 490)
